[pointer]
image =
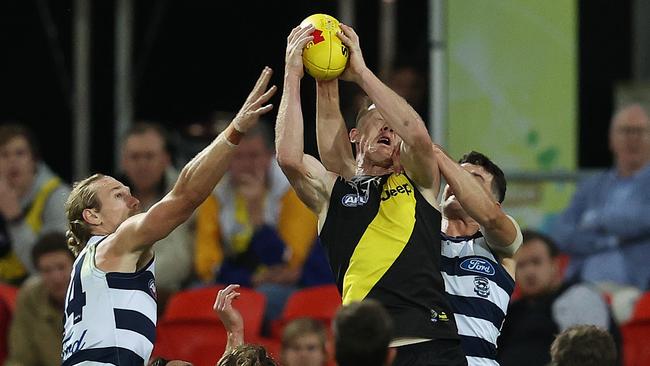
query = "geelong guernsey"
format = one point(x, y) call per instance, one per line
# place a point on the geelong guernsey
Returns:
point(109, 318)
point(479, 290)
point(382, 240)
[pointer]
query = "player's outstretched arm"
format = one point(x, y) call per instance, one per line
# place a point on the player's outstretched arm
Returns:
point(498, 228)
point(334, 146)
point(230, 317)
point(416, 155)
point(307, 175)
point(199, 177)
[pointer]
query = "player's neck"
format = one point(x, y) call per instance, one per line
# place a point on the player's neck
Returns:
point(366, 167)
point(459, 226)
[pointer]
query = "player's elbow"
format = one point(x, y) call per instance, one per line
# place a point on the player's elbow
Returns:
point(421, 142)
point(288, 161)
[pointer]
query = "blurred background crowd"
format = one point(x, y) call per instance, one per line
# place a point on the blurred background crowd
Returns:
point(557, 93)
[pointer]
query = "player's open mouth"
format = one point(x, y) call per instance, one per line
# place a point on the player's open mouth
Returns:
point(384, 140)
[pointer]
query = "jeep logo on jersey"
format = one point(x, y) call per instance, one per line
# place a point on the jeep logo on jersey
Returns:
point(353, 200)
point(392, 192)
point(478, 265)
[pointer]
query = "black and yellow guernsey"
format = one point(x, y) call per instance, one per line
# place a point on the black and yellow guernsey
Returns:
point(383, 242)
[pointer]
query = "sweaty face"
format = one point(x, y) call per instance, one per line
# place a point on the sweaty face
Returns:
point(17, 163)
point(144, 160)
point(450, 203)
point(251, 158)
point(306, 350)
point(117, 203)
point(376, 140)
point(55, 269)
point(536, 269)
point(629, 138)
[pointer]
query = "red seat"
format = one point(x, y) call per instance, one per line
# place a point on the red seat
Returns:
point(8, 294)
point(636, 333)
point(197, 305)
point(319, 302)
point(5, 318)
point(200, 342)
point(190, 330)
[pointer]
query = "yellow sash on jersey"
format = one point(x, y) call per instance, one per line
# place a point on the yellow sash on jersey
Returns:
point(384, 239)
point(11, 268)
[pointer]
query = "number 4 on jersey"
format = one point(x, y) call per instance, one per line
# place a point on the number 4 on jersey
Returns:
point(77, 301)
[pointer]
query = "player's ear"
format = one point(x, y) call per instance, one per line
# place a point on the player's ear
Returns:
point(90, 215)
point(354, 135)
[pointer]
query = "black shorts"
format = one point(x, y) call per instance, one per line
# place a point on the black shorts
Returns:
point(437, 352)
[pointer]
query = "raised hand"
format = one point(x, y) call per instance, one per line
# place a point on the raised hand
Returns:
point(296, 42)
point(356, 63)
point(253, 107)
point(230, 317)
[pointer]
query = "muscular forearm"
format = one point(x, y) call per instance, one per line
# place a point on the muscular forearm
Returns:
point(476, 201)
point(331, 133)
point(289, 138)
point(199, 177)
point(398, 114)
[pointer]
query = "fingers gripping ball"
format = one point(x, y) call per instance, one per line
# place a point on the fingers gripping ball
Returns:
point(326, 56)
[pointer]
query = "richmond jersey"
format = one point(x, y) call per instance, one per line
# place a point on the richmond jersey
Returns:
point(109, 318)
point(479, 290)
point(381, 237)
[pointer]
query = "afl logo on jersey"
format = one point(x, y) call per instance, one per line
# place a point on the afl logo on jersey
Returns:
point(478, 265)
point(353, 200)
point(152, 288)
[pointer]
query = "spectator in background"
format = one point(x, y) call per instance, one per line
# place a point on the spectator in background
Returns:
point(254, 230)
point(36, 330)
point(31, 201)
point(362, 333)
point(583, 345)
point(148, 171)
point(546, 306)
point(606, 229)
point(304, 343)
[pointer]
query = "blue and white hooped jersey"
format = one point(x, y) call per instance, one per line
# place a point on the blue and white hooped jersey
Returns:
point(478, 289)
point(110, 317)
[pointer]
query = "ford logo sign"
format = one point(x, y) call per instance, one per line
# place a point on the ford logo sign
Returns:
point(478, 265)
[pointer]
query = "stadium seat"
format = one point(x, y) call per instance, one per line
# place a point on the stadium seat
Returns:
point(196, 304)
point(200, 342)
point(636, 334)
point(5, 318)
point(320, 303)
point(8, 294)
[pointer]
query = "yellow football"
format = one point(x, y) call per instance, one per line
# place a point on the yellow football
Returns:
point(326, 56)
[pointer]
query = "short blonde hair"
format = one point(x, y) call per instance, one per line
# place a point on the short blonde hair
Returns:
point(304, 326)
point(83, 196)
